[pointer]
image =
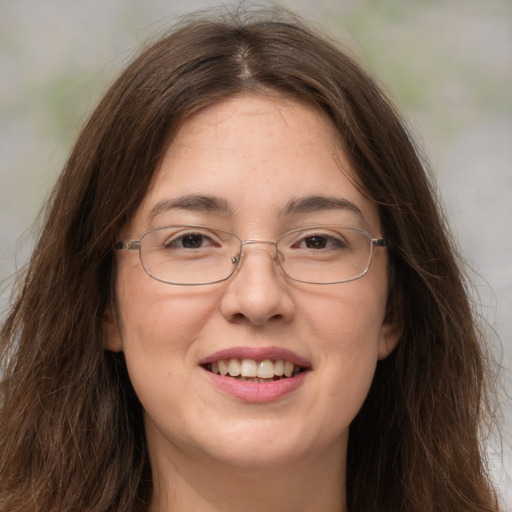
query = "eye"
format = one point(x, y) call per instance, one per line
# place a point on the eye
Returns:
point(320, 241)
point(190, 241)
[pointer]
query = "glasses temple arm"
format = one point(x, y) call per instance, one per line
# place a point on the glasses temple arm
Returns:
point(127, 246)
point(380, 242)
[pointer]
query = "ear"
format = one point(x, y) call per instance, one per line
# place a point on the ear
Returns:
point(392, 327)
point(111, 334)
point(391, 332)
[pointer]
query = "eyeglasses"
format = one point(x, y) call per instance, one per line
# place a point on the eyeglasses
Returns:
point(199, 255)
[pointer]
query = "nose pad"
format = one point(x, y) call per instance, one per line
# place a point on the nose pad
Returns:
point(279, 256)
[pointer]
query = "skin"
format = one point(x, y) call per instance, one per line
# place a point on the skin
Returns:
point(210, 451)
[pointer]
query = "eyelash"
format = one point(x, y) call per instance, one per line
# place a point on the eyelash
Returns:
point(329, 240)
point(179, 241)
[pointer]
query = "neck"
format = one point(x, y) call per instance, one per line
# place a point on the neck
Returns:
point(310, 484)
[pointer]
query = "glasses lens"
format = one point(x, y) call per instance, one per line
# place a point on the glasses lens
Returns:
point(325, 255)
point(189, 254)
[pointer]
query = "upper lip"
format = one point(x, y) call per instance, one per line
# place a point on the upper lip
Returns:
point(257, 354)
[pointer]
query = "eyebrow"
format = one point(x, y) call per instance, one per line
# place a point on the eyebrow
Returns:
point(209, 204)
point(212, 204)
point(310, 204)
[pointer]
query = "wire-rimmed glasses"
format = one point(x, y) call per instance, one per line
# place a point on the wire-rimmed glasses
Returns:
point(200, 255)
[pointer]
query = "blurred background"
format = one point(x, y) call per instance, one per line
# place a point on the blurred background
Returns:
point(447, 64)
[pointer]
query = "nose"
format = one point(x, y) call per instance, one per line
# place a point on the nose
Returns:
point(258, 291)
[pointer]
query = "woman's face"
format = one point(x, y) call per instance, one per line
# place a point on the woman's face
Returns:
point(251, 165)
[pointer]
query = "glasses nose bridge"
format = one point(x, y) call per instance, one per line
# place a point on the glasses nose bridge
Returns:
point(256, 242)
point(253, 242)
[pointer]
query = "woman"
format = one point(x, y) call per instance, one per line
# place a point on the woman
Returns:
point(294, 333)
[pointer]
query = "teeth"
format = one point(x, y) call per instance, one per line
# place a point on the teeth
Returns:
point(252, 379)
point(234, 367)
point(223, 368)
point(266, 369)
point(254, 371)
point(249, 368)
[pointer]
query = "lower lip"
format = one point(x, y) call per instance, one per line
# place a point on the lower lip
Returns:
point(257, 391)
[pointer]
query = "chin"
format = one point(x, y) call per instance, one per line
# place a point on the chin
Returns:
point(262, 445)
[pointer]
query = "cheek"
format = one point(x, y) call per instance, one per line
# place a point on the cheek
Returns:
point(352, 317)
point(348, 331)
point(159, 327)
point(349, 343)
point(157, 318)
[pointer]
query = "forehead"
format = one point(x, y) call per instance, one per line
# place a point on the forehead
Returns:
point(264, 116)
point(255, 154)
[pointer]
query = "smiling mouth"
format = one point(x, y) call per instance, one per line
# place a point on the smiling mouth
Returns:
point(251, 370)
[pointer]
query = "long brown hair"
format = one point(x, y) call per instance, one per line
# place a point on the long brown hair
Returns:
point(71, 432)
